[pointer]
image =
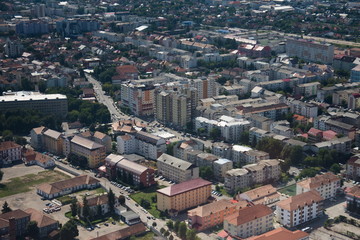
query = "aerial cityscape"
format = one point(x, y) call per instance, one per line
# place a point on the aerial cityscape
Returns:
point(179, 120)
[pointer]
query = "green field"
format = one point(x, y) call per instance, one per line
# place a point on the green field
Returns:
point(28, 182)
point(289, 190)
point(147, 194)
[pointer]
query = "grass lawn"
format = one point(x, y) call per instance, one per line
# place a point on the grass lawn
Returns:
point(147, 194)
point(27, 182)
point(147, 236)
point(99, 190)
point(289, 190)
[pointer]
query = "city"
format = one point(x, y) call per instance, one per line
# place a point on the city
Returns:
point(179, 120)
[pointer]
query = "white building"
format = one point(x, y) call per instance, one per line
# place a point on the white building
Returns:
point(325, 184)
point(9, 152)
point(221, 166)
point(299, 209)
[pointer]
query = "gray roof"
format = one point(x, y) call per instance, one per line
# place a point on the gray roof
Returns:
point(176, 162)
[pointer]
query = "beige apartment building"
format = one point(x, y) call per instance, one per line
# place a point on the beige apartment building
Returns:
point(249, 221)
point(175, 169)
point(325, 184)
point(94, 152)
point(53, 142)
point(184, 195)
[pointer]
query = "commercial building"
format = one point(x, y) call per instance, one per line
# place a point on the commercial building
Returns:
point(249, 221)
point(175, 169)
point(9, 152)
point(61, 188)
point(182, 196)
point(52, 104)
point(262, 195)
point(213, 214)
point(326, 185)
point(282, 234)
point(299, 209)
point(310, 50)
point(94, 152)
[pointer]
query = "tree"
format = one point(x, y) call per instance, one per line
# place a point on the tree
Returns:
point(74, 207)
point(166, 233)
point(171, 237)
point(21, 141)
point(215, 133)
point(335, 168)
point(32, 229)
point(206, 173)
point(170, 224)
point(6, 208)
point(154, 224)
point(111, 198)
point(121, 199)
point(85, 209)
point(272, 146)
point(69, 231)
point(7, 135)
point(1, 175)
point(162, 230)
point(191, 234)
point(176, 226)
point(182, 230)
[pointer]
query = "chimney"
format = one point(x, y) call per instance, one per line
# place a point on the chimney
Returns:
point(12, 229)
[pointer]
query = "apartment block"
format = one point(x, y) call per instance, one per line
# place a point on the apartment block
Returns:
point(139, 98)
point(325, 184)
point(14, 224)
point(308, 110)
point(307, 89)
point(52, 142)
point(353, 168)
point(9, 152)
point(99, 138)
point(262, 195)
point(249, 221)
point(299, 209)
point(353, 198)
point(182, 196)
point(327, 123)
point(213, 214)
point(94, 152)
point(339, 144)
point(36, 137)
point(282, 234)
point(52, 104)
point(262, 172)
point(220, 167)
point(141, 176)
point(175, 169)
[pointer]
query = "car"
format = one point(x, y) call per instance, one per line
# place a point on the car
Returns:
point(89, 229)
point(47, 204)
point(97, 226)
point(127, 198)
point(113, 223)
point(136, 204)
point(106, 224)
point(148, 217)
point(153, 218)
point(307, 229)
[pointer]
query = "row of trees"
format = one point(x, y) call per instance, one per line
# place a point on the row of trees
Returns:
point(76, 160)
point(181, 230)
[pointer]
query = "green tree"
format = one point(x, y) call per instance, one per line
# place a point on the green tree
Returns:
point(154, 224)
point(335, 168)
point(111, 200)
point(85, 209)
point(215, 133)
point(182, 230)
point(176, 226)
point(69, 231)
point(20, 140)
point(32, 229)
point(74, 207)
point(191, 234)
point(122, 199)
point(170, 224)
point(272, 146)
point(206, 172)
point(5, 208)
point(1, 175)
point(162, 230)
point(7, 135)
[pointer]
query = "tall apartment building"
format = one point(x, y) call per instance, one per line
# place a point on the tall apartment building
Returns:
point(175, 169)
point(139, 98)
point(353, 168)
point(310, 50)
point(99, 138)
point(206, 87)
point(299, 209)
point(13, 48)
point(325, 184)
point(94, 152)
point(9, 152)
point(55, 104)
point(249, 221)
point(31, 28)
point(213, 214)
point(183, 196)
point(52, 142)
point(308, 110)
point(355, 74)
point(264, 171)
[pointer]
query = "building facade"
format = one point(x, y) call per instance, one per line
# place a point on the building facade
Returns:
point(94, 152)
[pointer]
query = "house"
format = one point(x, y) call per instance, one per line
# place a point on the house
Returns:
point(175, 169)
point(98, 205)
point(262, 195)
point(299, 209)
point(249, 221)
point(125, 72)
point(61, 188)
point(213, 214)
point(14, 223)
point(45, 223)
point(31, 157)
point(124, 233)
point(281, 234)
point(182, 196)
point(325, 184)
point(10, 152)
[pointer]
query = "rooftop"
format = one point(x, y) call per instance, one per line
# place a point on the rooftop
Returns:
point(300, 200)
point(215, 207)
point(248, 214)
point(184, 187)
point(173, 161)
point(281, 234)
point(86, 143)
point(319, 180)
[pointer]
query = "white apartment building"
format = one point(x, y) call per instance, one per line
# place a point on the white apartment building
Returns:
point(325, 184)
point(9, 152)
point(299, 209)
point(175, 169)
point(353, 168)
point(220, 167)
point(126, 144)
point(308, 110)
point(249, 221)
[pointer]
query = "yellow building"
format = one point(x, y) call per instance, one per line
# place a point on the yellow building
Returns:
point(53, 142)
point(94, 152)
point(184, 195)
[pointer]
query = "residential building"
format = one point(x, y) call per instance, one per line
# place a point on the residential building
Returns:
point(149, 145)
point(262, 172)
point(307, 89)
point(52, 104)
point(355, 74)
point(262, 195)
point(75, 26)
point(99, 138)
point(339, 144)
point(308, 110)
point(175, 169)
point(45, 223)
point(326, 123)
point(139, 98)
point(98, 205)
point(213, 214)
point(221, 149)
point(353, 199)
point(182, 147)
point(36, 137)
point(124, 233)
point(220, 167)
point(354, 101)
point(255, 51)
point(134, 173)
point(353, 168)
point(13, 48)
point(310, 50)
point(126, 144)
point(206, 87)
point(9, 152)
point(326, 185)
point(282, 233)
point(94, 152)
point(299, 209)
point(31, 157)
point(14, 224)
point(61, 188)
point(52, 142)
point(249, 221)
point(32, 28)
point(125, 72)
point(182, 196)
